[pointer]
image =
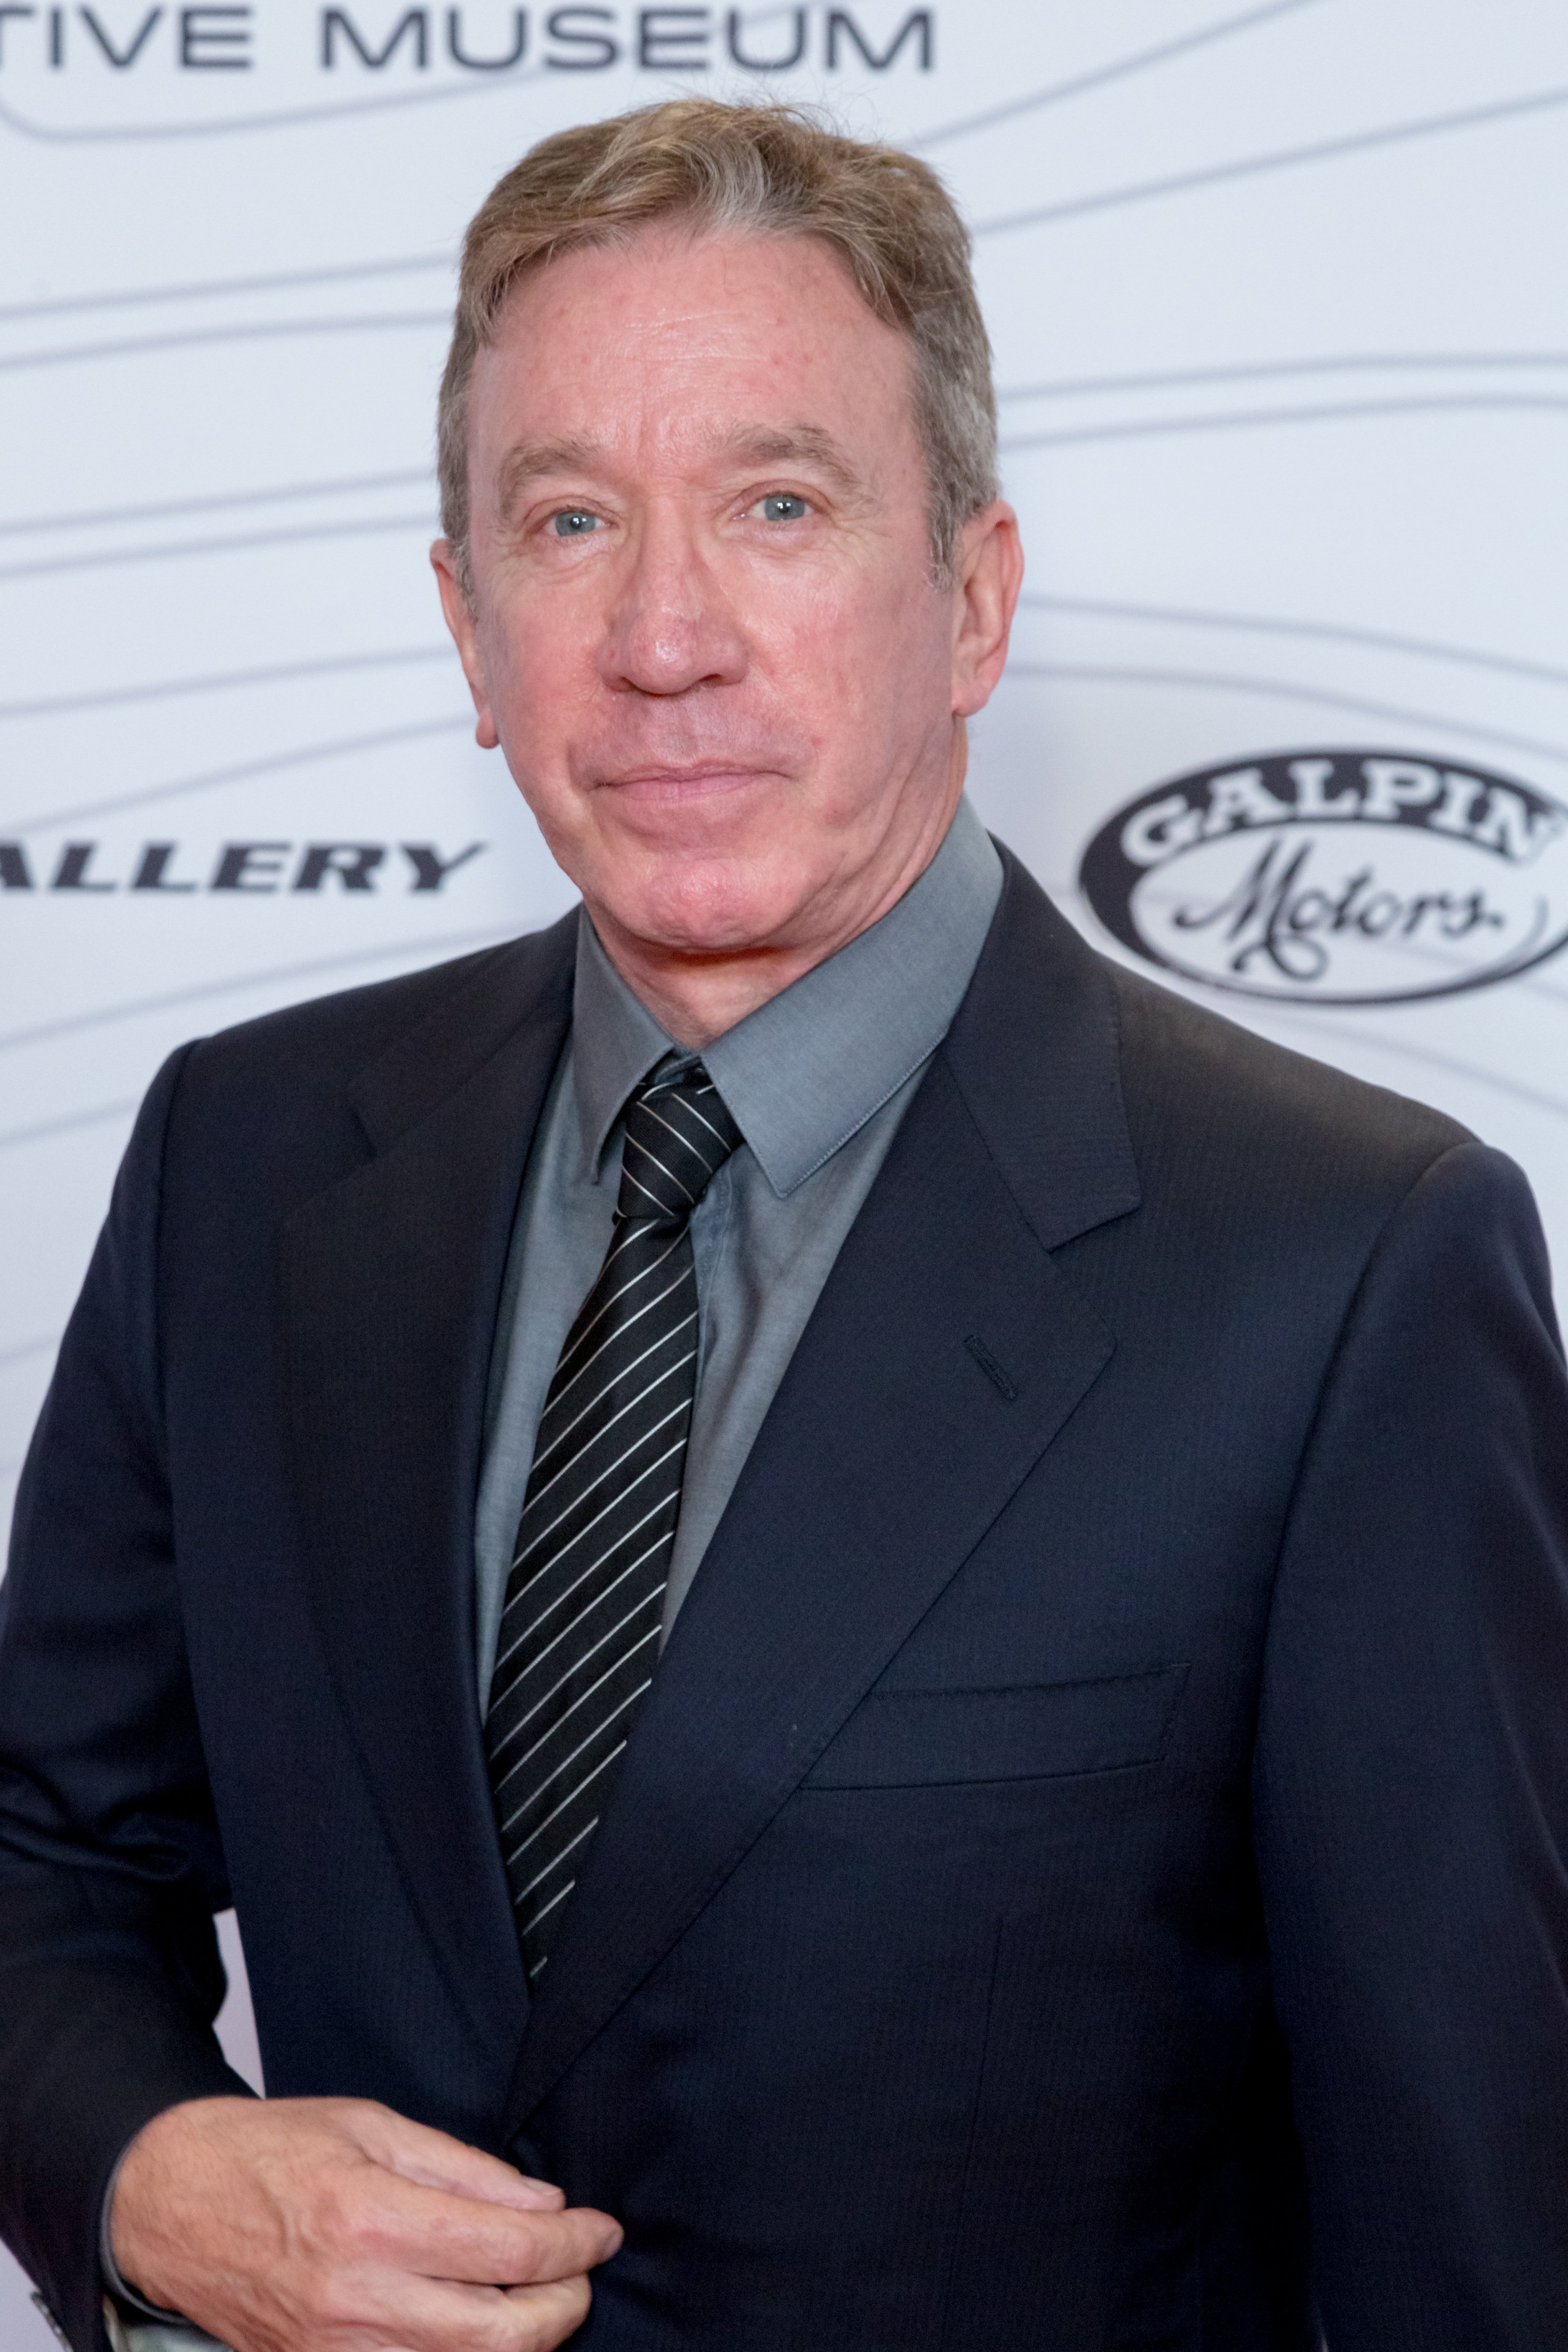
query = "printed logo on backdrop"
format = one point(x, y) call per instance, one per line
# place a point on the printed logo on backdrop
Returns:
point(370, 46)
point(252, 869)
point(1336, 877)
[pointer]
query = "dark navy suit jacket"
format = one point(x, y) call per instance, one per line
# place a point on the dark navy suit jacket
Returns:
point(1089, 1872)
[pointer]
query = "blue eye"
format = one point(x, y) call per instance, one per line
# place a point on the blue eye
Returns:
point(783, 506)
point(575, 523)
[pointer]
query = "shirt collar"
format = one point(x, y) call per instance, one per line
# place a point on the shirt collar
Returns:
point(805, 1071)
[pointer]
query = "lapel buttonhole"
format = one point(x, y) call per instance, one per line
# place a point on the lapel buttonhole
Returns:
point(995, 1372)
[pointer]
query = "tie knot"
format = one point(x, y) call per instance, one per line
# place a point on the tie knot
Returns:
point(678, 1134)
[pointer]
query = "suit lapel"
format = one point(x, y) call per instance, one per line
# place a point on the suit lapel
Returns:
point(391, 1280)
point(944, 1354)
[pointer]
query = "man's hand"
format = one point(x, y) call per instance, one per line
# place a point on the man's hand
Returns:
point(333, 2225)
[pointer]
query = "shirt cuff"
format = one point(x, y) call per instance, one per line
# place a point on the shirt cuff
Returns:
point(126, 2296)
point(126, 2332)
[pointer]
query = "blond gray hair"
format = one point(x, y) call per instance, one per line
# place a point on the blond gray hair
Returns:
point(772, 170)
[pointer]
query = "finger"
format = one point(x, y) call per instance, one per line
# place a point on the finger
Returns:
point(567, 2245)
point(434, 2316)
point(440, 2235)
point(438, 2161)
point(549, 2314)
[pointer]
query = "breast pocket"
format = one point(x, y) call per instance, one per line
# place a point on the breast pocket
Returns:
point(913, 1739)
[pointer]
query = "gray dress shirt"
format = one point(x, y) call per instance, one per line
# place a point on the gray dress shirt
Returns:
point(817, 1080)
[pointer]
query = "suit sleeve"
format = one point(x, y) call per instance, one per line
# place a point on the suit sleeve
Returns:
point(1411, 1786)
point(111, 1866)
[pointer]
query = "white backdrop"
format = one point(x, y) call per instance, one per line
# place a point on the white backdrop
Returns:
point(1278, 297)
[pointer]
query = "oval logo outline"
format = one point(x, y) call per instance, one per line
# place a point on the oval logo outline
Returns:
point(1274, 829)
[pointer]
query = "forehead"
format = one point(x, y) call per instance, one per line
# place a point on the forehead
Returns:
point(672, 339)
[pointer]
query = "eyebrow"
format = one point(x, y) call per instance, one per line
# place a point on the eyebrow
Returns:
point(808, 445)
point(531, 461)
point(755, 444)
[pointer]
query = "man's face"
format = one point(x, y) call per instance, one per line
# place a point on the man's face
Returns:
point(704, 630)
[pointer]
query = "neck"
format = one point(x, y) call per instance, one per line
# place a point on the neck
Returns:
point(697, 994)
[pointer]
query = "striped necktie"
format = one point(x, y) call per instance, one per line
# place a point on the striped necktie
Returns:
point(579, 1634)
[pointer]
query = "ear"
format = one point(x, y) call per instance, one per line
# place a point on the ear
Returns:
point(459, 615)
point(988, 567)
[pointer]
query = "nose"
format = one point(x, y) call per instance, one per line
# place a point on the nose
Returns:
point(673, 626)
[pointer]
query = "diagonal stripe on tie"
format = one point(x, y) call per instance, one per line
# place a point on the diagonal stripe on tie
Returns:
point(580, 1618)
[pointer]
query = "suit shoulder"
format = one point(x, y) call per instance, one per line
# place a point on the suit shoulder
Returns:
point(327, 1039)
point(272, 1109)
point(1195, 1083)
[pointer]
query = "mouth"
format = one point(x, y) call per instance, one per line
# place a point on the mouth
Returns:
point(689, 781)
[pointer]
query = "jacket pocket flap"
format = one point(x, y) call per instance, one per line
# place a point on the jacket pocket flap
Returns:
point(910, 1739)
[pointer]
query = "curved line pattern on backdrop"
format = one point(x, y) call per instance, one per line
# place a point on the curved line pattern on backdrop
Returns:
point(1370, 362)
point(238, 983)
point(1332, 632)
point(207, 290)
point(274, 763)
point(1280, 689)
point(1321, 150)
point(1451, 1064)
point(224, 681)
point(1282, 159)
point(41, 1133)
point(1244, 420)
point(166, 551)
point(278, 118)
point(1098, 76)
point(346, 322)
point(108, 518)
point(17, 1355)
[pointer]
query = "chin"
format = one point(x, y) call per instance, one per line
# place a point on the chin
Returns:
point(714, 906)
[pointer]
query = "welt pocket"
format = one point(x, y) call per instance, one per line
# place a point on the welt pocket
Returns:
point(1031, 1732)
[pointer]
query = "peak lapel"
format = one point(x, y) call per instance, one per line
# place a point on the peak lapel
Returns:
point(391, 1280)
point(890, 1447)
point(1035, 1049)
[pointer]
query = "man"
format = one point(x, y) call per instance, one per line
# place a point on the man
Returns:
point(872, 1626)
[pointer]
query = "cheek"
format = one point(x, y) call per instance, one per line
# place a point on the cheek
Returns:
point(538, 646)
point(867, 659)
point(539, 665)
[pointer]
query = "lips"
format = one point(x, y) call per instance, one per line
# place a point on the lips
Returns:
point(697, 780)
